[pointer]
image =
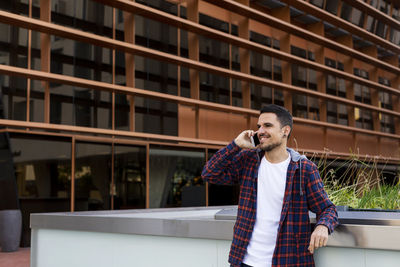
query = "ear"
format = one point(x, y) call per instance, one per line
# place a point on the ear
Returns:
point(286, 130)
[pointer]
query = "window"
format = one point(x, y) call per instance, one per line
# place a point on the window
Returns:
point(361, 92)
point(335, 86)
point(175, 177)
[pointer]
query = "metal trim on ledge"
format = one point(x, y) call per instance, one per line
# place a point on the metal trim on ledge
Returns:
point(201, 223)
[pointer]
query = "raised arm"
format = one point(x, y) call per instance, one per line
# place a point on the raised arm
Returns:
point(225, 166)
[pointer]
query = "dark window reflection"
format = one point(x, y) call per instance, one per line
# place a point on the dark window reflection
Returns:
point(164, 5)
point(237, 93)
point(155, 35)
point(332, 6)
point(13, 97)
point(363, 118)
point(129, 177)
point(36, 102)
point(86, 15)
point(82, 60)
point(156, 75)
point(80, 106)
point(346, 11)
point(260, 96)
point(13, 46)
point(122, 111)
point(214, 52)
point(185, 82)
point(175, 179)
point(155, 116)
point(20, 7)
point(214, 23)
point(214, 88)
point(92, 176)
point(43, 172)
point(337, 113)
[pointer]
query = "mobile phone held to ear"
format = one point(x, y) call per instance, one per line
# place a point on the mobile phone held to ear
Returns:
point(254, 140)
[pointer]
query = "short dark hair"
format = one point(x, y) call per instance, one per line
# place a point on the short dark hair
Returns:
point(283, 115)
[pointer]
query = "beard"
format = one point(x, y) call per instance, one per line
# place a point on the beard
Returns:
point(270, 147)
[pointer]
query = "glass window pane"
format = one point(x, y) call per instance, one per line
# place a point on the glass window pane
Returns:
point(214, 88)
point(175, 178)
point(318, 3)
point(332, 6)
point(156, 35)
point(82, 60)
point(155, 116)
point(129, 177)
point(163, 5)
point(86, 15)
point(260, 65)
point(122, 111)
point(13, 48)
point(20, 7)
point(346, 11)
point(214, 52)
point(80, 106)
point(237, 93)
point(13, 97)
point(36, 102)
point(156, 75)
point(260, 96)
point(35, 51)
point(43, 173)
point(92, 176)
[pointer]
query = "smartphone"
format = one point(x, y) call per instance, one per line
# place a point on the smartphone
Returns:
point(254, 140)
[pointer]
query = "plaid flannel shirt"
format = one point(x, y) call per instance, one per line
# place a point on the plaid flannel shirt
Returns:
point(232, 165)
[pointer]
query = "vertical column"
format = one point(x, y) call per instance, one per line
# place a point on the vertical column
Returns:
point(45, 48)
point(147, 175)
point(193, 42)
point(113, 71)
point(194, 54)
point(244, 55)
point(73, 174)
point(28, 81)
point(129, 35)
point(283, 14)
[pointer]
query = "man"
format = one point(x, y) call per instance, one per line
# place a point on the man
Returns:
point(278, 187)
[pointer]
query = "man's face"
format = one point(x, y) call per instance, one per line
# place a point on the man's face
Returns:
point(270, 132)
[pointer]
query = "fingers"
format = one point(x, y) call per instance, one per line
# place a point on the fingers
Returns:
point(319, 238)
point(243, 139)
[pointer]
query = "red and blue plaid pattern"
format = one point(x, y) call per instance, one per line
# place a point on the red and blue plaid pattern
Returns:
point(235, 165)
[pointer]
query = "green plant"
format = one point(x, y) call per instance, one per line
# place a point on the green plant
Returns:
point(358, 183)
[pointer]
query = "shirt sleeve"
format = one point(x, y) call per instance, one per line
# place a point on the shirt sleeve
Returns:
point(318, 201)
point(224, 166)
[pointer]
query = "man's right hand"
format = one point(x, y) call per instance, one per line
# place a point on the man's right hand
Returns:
point(243, 139)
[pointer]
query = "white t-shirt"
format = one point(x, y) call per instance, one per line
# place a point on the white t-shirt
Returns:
point(270, 192)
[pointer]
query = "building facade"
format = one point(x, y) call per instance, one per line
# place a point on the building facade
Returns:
point(117, 104)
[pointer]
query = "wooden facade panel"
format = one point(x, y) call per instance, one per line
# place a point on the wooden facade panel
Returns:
point(366, 144)
point(186, 121)
point(215, 125)
point(339, 141)
point(307, 137)
point(390, 148)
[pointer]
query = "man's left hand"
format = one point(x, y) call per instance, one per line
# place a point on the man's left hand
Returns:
point(319, 238)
